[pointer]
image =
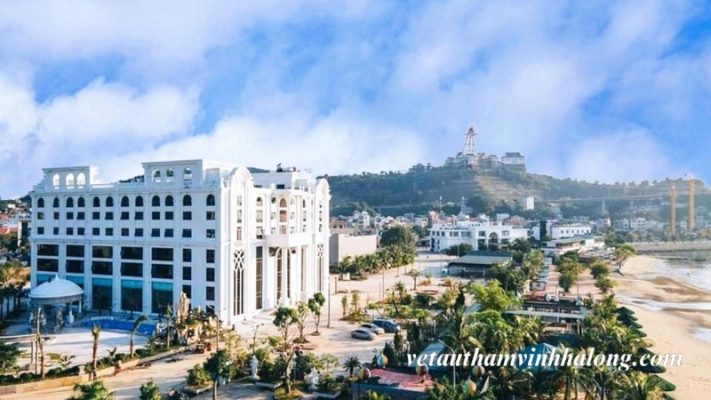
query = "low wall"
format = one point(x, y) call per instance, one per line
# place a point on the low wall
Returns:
point(81, 378)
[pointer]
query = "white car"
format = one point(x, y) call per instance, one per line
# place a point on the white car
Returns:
point(373, 328)
point(363, 333)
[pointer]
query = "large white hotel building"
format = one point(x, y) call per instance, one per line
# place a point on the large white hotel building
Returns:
point(234, 242)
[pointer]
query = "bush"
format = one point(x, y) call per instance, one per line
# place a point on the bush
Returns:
point(328, 384)
point(271, 371)
point(7, 379)
point(55, 372)
point(26, 377)
point(198, 377)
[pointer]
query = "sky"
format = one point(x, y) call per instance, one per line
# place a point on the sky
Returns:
point(600, 91)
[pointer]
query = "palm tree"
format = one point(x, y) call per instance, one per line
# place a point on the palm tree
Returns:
point(569, 376)
point(639, 386)
point(95, 332)
point(134, 329)
point(168, 319)
point(351, 364)
point(414, 274)
point(91, 391)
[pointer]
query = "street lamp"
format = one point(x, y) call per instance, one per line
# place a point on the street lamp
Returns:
point(454, 365)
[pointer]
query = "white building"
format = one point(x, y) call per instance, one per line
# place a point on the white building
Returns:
point(563, 231)
point(480, 234)
point(234, 242)
point(513, 159)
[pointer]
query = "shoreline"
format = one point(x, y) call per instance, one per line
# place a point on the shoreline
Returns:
point(676, 316)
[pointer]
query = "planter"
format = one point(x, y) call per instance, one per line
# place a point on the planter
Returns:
point(194, 391)
point(268, 385)
point(326, 395)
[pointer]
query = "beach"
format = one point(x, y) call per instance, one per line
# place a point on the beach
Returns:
point(675, 312)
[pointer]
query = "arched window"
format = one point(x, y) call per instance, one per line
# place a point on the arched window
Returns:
point(96, 202)
point(169, 173)
point(109, 201)
point(155, 201)
point(282, 203)
point(124, 201)
point(81, 203)
point(187, 200)
point(40, 203)
point(210, 201)
point(139, 201)
point(69, 180)
point(169, 201)
point(259, 202)
point(55, 202)
point(81, 179)
point(55, 180)
point(156, 175)
point(70, 202)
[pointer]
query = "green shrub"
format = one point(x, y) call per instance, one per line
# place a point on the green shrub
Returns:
point(197, 376)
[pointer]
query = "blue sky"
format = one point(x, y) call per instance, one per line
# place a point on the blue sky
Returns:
point(614, 91)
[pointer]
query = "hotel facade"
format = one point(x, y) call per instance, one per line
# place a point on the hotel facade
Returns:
point(233, 241)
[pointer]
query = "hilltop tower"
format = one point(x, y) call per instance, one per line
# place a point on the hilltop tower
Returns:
point(469, 140)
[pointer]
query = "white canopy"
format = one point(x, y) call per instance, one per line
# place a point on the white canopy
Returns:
point(56, 291)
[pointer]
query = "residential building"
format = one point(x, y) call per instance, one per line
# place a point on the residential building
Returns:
point(234, 242)
point(564, 230)
point(481, 234)
point(342, 246)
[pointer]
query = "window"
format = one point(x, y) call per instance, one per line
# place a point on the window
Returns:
point(210, 256)
point(155, 232)
point(138, 216)
point(75, 266)
point(55, 215)
point(109, 232)
point(187, 233)
point(47, 264)
point(187, 255)
point(187, 273)
point(169, 173)
point(138, 232)
point(55, 230)
point(124, 232)
point(162, 254)
point(48, 250)
point(210, 274)
point(210, 201)
point(102, 267)
point(187, 215)
point(155, 201)
point(131, 269)
point(260, 277)
point(168, 233)
point(109, 201)
point(210, 233)
point(95, 231)
point(70, 231)
point(187, 200)
point(155, 215)
point(69, 202)
point(139, 201)
point(124, 201)
point(260, 203)
point(162, 271)
point(70, 215)
point(96, 202)
point(109, 216)
point(187, 174)
point(40, 203)
point(169, 215)
point(131, 295)
point(40, 215)
point(210, 215)
point(131, 253)
point(102, 251)
point(156, 176)
point(80, 202)
point(169, 201)
point(40, 230)
point(210, 293)
point(80, 231)
point(124, 215)
point(162, 296)
point(95, 215)
point(81, 215)
point(75, 251)
point(187, 290)
point(55, 202)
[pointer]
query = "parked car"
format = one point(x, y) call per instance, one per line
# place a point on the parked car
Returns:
point(363, 333)
point(373, 328)
point(388, 325)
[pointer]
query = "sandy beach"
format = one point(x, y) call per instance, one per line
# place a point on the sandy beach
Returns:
point(676, 315)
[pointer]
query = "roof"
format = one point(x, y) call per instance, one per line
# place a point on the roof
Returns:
point(58, 290)
point(484, 257)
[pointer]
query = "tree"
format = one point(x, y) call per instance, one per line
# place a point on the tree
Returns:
point(95, 332)
point(414, 274)
point(491, 297)
point(355, 303)
point(622, 253)
point(283, 319)
point(398, 236)
point(604, 283)
point(459, 249)
point(9, 353)
point(315, 304)
point(351, 364)
point(219, 365)
point(91, 391)
point(134, 329)
point(344, 305)
point(168, 320)
point(301, 312)
point(150, 391)
point(599, 268)
point(567, 279)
